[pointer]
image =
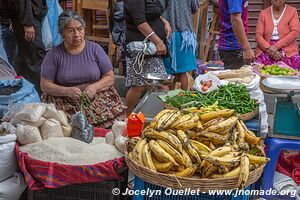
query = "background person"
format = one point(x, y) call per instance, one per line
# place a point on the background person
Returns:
point(182, 43)
point(79, 66)
point(277, 30)
point(234, 48)
point(143, 17)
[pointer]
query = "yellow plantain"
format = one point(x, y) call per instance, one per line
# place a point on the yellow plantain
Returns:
point(221, 151)
point(224, 126)
point(161, 153)
point(165, 136)
point(178, 168)
point(169, 120)
point(227, 162)
point(198, 127)
point(156, 118)
point(223, 170)
point(209, 170)
point(241, 133)
point(187, 161)
point(182, 118)
point(162, 167)
point(173, 131)
point(137, 151)
point(257, 159)
point(170, 150)
point(191, 150)
point(162, 119)
point(212, 146)
point(244, 172)
point(213, 122)
point(147, 157)
point(212, 137)
point(233, 173)
point(191, 123)
point(188, 172)
point(200, 146)
point(215, 114)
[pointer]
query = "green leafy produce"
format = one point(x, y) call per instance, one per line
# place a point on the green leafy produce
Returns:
point(276, 70)
point(185, 99)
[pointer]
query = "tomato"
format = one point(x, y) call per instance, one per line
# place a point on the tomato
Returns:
point(204, 88)
point(208, 83)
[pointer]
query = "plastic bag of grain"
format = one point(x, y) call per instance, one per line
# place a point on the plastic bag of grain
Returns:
point(82, 129)
point(67, 130)
point(38, 123)
point(119, 128)
point(31, 112)
point(59, 115)
point(51, 128)
point(110, 138)
point(27, 134)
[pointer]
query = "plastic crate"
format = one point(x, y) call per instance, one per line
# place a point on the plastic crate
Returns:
point(142, 185)
point(87, 191)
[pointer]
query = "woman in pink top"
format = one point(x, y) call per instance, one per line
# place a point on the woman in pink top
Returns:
point(277, 30)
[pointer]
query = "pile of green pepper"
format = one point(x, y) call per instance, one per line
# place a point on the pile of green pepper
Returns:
point(231, 96)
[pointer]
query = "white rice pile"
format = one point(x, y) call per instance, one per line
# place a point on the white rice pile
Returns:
point(67, 150)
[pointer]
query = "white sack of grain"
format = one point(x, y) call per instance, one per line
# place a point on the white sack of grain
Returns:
point(12, 188)
point(59, 115)
point(27, 134)
point(31, 112)
point(8, 162)
point(51, 128)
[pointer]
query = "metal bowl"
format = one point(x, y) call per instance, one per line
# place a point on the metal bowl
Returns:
point(158, 79)
point(282, 84)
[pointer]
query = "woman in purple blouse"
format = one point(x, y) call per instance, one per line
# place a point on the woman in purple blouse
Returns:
point(77, 67)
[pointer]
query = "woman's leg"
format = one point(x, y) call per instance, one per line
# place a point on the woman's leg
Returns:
point(133, 96)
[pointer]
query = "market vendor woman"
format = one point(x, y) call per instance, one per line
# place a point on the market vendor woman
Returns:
point(277, 30)
point(79, 71)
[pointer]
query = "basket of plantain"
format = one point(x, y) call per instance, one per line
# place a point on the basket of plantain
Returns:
point(207, 152)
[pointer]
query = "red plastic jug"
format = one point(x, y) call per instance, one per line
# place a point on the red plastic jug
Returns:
point(135, 124)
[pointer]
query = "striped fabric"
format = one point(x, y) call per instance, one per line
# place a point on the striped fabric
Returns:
point(228, 40)
point(40, 175)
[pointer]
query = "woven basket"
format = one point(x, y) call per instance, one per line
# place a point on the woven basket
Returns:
point(263, 88)
point(194, 183)
point(248, 116)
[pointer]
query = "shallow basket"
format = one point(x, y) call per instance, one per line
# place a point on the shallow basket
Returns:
point(248, 116)
point(203, 184)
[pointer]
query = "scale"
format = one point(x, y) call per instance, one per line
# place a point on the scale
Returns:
point(287, 111)
point(150, 104)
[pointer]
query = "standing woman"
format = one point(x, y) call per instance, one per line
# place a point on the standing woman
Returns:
point(143, 18)
point(277, 30)
point(183, 42)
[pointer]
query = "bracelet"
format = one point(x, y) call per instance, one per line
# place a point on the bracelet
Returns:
point(149, 35)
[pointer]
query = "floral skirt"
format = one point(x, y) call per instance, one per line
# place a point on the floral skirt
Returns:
point(105, 108)
point(293, 61)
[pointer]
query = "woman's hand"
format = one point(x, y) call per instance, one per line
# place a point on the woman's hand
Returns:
point(161, 48)
point(29, 33)
point(73, 92)
point(271, 50)
point(90, 91)
point(277, 56)
point(168, 29)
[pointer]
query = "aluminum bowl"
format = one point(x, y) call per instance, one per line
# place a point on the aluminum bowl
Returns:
point(282, 84)
point(158, 79)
